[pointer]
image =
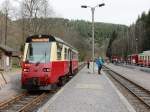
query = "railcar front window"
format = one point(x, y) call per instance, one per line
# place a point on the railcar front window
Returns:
point(38, 53)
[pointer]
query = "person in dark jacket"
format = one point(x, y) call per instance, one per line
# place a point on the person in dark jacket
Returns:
point(88, 64)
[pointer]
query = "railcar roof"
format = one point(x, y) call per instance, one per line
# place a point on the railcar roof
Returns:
point(51, 38)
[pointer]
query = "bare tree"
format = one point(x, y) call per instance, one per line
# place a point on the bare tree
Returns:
point(34, 12)
point(1, 27)
point(5, 10)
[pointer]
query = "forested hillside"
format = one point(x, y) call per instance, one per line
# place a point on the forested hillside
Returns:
point(134, 39)
point(76, 32)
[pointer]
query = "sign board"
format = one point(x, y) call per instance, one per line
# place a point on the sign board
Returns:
point(40, 40)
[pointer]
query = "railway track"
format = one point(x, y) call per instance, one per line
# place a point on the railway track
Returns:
point(22, 102)
point(81, 65)
point(25, 102)
point(142, 94)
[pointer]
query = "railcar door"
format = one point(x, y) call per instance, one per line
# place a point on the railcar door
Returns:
point(70, 60)
point(67, 62)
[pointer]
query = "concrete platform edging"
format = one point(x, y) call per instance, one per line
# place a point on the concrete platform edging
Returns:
point(123, 99)
point(49, 105)
point(45, 107)
point(138, 77)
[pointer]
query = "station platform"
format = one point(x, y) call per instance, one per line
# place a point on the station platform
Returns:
point(136, 75)
point(88, 92)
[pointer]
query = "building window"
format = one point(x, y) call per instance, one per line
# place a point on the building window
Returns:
point(7, 61)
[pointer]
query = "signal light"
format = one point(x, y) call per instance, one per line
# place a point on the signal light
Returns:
point(26, 70)
point(27, 65)
point(46, 69)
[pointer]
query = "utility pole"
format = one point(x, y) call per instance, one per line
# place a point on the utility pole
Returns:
point(136, 45)
point(1, 32)
point(93, 30)
point(6, 27)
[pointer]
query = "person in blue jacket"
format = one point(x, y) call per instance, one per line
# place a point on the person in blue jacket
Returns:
point(99, 62)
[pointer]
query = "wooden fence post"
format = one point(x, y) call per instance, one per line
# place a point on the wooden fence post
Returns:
point(3, 77)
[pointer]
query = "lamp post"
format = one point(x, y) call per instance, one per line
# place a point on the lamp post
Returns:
point(136, 45)
point(93, 46)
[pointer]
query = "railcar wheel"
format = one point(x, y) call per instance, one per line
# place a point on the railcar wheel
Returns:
point(61, 82)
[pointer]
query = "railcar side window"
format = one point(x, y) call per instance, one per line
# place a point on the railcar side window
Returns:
point(142, 57)
point(74, 56)
point(59, 51)
point(66, 53)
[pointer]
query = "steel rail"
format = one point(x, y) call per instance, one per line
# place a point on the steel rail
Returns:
point(25, 105)
point(11, 100)
point(140, 92)
point(22, 103)
point(33, 102)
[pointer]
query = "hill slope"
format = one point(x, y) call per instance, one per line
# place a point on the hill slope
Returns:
point(76, 32)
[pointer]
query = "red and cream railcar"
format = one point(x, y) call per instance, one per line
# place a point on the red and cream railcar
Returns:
point(129, 59)
point(141, 59)
point(144, 58)
point(115, 59)
point(133, 59)
point(47, 61)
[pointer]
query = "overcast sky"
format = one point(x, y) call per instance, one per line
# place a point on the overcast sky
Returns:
point(115, 11)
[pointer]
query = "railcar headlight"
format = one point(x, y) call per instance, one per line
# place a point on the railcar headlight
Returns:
point(26, 70)
point(46, 69)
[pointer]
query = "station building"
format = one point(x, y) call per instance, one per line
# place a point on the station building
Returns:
point(6, 57)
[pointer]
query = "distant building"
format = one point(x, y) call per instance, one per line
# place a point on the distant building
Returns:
point(6, 54)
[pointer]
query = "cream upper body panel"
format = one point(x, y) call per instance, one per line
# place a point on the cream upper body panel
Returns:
point(25, 51)
point(53, 52)
point(65, 53)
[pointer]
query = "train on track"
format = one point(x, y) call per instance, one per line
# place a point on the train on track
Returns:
point(48, 61)
point(141, 59)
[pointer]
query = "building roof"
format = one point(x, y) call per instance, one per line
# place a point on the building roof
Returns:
point(6, 48)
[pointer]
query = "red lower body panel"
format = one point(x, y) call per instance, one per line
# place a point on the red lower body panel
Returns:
point(74, 65)
point(34, 75)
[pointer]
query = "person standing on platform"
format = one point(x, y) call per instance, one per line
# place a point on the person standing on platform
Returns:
point(99, 62)
point(88, 64)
